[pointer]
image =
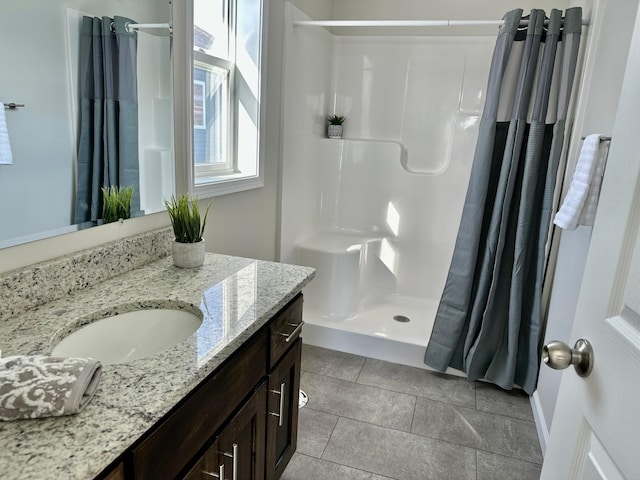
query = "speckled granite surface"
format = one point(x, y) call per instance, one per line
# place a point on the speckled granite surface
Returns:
point(48, 281)
point(236, 296)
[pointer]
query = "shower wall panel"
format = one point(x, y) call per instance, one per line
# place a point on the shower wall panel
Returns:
point(400, 175)
point(306, 87)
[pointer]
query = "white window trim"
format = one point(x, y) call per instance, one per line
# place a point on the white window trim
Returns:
point(182, 68)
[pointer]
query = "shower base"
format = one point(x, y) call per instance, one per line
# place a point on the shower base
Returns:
point(373, 331)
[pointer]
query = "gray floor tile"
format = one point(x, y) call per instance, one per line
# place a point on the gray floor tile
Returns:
point(303, 467)
point(514, 403)
point(360, 402)
point(314, 430)
point(331, 363)
point(497, 467)
point(418, 382)
point(397, 454)
point(483, 430)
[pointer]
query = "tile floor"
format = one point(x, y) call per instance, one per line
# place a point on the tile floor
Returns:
point(372, 420)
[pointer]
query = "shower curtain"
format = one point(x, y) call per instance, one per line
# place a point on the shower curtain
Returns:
point(108, 145)
point(489, 321)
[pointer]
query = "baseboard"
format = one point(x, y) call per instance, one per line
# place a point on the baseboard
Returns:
point(541, 424)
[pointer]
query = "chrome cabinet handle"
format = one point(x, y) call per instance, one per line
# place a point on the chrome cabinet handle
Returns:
point(219, 475)
point(295, 331)
point(559, 355)
point(234, 459)
point(281, 393)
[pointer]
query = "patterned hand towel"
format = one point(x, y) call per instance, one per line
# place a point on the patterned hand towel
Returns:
point(38, 386)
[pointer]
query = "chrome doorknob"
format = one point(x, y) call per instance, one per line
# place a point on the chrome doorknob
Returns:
point(559, 355)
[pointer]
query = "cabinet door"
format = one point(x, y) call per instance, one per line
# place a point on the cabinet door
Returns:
point(117, 473)
point(209, 466)
point(282, 418)
point(241, 443)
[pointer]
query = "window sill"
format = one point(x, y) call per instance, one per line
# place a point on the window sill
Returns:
point(216, 186)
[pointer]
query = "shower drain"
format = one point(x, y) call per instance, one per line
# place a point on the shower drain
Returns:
point(401, 318)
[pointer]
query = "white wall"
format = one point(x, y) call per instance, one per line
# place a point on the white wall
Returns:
point(607, 42)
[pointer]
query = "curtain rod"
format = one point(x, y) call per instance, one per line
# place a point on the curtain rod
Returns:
point(137, 26)
point(405, 23)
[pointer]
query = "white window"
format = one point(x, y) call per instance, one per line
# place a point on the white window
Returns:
point(227, 43)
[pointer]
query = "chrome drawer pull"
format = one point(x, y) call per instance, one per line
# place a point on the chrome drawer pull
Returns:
point(281, 393)
point(294, 333)
point(219, 475)
point(234, 459)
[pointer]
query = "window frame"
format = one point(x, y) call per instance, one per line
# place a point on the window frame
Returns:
point(229, 180)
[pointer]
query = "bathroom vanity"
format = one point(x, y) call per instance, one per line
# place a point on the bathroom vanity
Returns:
point(226, 416)
point(220, 404)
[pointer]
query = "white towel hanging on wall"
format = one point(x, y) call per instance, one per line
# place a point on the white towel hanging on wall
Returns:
point(5, 146)
point(579, 205)
point(588, 215)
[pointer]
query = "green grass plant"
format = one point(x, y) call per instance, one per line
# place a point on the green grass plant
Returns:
point(188, 225)
point(116, 203)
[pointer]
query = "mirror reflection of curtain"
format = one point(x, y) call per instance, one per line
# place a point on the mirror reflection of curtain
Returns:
point(108, 145)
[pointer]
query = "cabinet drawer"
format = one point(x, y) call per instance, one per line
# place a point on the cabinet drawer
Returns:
point(179, 437)
point(285, 329)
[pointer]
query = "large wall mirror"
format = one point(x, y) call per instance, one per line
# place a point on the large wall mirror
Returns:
point(43, 64)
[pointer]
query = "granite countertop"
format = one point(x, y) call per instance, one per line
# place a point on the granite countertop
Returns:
point(236, 296)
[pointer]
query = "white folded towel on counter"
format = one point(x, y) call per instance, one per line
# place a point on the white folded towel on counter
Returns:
point(39, 386)
point(581, 201)
point(5, 146)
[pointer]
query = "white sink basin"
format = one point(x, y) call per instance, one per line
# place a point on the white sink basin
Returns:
point(129, 336)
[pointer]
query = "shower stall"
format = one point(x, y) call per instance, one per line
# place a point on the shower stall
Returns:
point(377, 212)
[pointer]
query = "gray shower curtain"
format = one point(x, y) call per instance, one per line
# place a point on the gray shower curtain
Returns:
point(108, 145)
point(489, 319)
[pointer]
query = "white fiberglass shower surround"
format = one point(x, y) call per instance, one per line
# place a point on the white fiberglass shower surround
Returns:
point(377, 212)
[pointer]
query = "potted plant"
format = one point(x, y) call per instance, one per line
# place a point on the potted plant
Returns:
point(116, 203)
point(188, 228)
point(334, 129)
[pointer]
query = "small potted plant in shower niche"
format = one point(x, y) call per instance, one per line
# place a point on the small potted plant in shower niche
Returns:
point(188, 228)
point(116, 203)
point(334, 129)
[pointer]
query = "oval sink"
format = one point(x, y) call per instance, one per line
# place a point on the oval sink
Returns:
point(129, 336)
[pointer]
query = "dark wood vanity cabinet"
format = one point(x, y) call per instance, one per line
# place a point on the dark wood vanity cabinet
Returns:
point(238, 450)
point(282, 419)
point(240, 422)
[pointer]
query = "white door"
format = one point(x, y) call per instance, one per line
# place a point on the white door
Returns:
point(595, 432)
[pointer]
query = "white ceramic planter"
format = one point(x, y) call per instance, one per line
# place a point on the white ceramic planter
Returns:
point(334, 131)
point(188, 255)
